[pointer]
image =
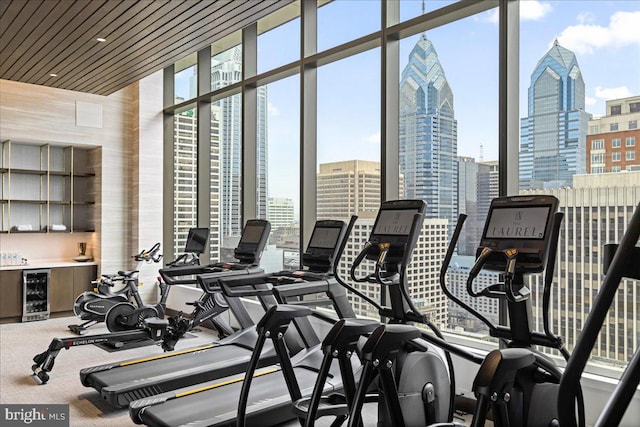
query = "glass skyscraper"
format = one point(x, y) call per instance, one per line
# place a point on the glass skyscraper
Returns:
point(553, 135)
point(428, 133)
point(226, 69)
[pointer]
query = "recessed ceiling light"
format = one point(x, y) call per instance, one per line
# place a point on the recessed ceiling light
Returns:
point(101, 40)
point(53, 75)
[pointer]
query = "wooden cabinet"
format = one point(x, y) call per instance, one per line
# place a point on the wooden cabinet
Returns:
point(82, 277)
point(66, 284)
point(10, 293)
point(46, 189)
point(61, 292)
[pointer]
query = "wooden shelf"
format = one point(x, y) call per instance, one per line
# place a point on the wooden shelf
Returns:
point(35, 202)
point(60, 173)
point(57, 173)
point(24, 171)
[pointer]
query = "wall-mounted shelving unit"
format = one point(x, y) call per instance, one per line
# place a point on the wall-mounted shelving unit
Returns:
point(46, 189)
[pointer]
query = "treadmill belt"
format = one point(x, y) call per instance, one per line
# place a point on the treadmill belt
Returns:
point(269, 403)
point(136, 381)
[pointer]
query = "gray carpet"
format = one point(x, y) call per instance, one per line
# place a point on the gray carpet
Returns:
point(19, 342)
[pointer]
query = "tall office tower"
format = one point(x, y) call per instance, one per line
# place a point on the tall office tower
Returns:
point(477, 186)
point(348, 188)
point(597, 211)
point(214, 187)
point(226, 69)
point(613, 141)
point(423, 273)
point(185, 179)
point(468, 174)
point(553, 135)
point(488, 188)
point(280, 212)
point(428, 134)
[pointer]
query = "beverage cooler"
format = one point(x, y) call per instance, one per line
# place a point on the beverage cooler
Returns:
point(35, 294)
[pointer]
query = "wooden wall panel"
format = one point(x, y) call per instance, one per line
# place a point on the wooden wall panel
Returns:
point(39, 114)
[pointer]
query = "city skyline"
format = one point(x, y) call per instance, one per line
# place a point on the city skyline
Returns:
point(476, 98)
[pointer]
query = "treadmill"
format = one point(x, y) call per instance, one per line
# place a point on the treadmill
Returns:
point(123, 382)
point(185, 271)
point(248, 253)
point(216, 403)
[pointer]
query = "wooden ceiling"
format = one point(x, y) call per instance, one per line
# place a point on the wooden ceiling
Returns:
point(41, 37)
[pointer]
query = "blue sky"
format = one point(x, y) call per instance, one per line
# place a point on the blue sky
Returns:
point(603, 34)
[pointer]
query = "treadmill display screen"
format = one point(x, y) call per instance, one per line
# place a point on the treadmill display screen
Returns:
point(252, 234)
point(325, 237)
point(196, 240)
point(517, 223)
point(394, 222)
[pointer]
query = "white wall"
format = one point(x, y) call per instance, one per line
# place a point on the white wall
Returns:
point(128, 213)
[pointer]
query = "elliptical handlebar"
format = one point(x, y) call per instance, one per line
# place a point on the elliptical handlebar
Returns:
point(549, 269)
point(406, 259)
point(510, 267)
point(356, 263)
point(151, 255)
point(361, 256)
point(445, 266)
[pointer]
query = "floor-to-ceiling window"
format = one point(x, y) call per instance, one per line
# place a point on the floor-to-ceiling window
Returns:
point(420, 85)
point(578, 85)
point(348, 163)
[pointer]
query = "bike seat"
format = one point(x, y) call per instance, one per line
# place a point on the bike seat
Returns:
point(127, 273)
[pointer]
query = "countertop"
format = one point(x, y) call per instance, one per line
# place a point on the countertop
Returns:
point(31, 265)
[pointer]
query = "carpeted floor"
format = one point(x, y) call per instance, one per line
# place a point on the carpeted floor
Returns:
point(19, 342)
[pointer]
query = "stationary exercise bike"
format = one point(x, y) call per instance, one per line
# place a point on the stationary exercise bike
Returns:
point(94, 306)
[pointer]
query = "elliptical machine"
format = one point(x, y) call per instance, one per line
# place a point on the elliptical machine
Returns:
point(520, 237)
point(415, 381)
point(94, 306)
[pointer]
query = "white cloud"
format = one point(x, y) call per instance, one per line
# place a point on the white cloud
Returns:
point(613, 92)
point(534, 10)
point(590, 101)
point(374, 138)
point(272, 109)
point(586, 38)
point(530, 10)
